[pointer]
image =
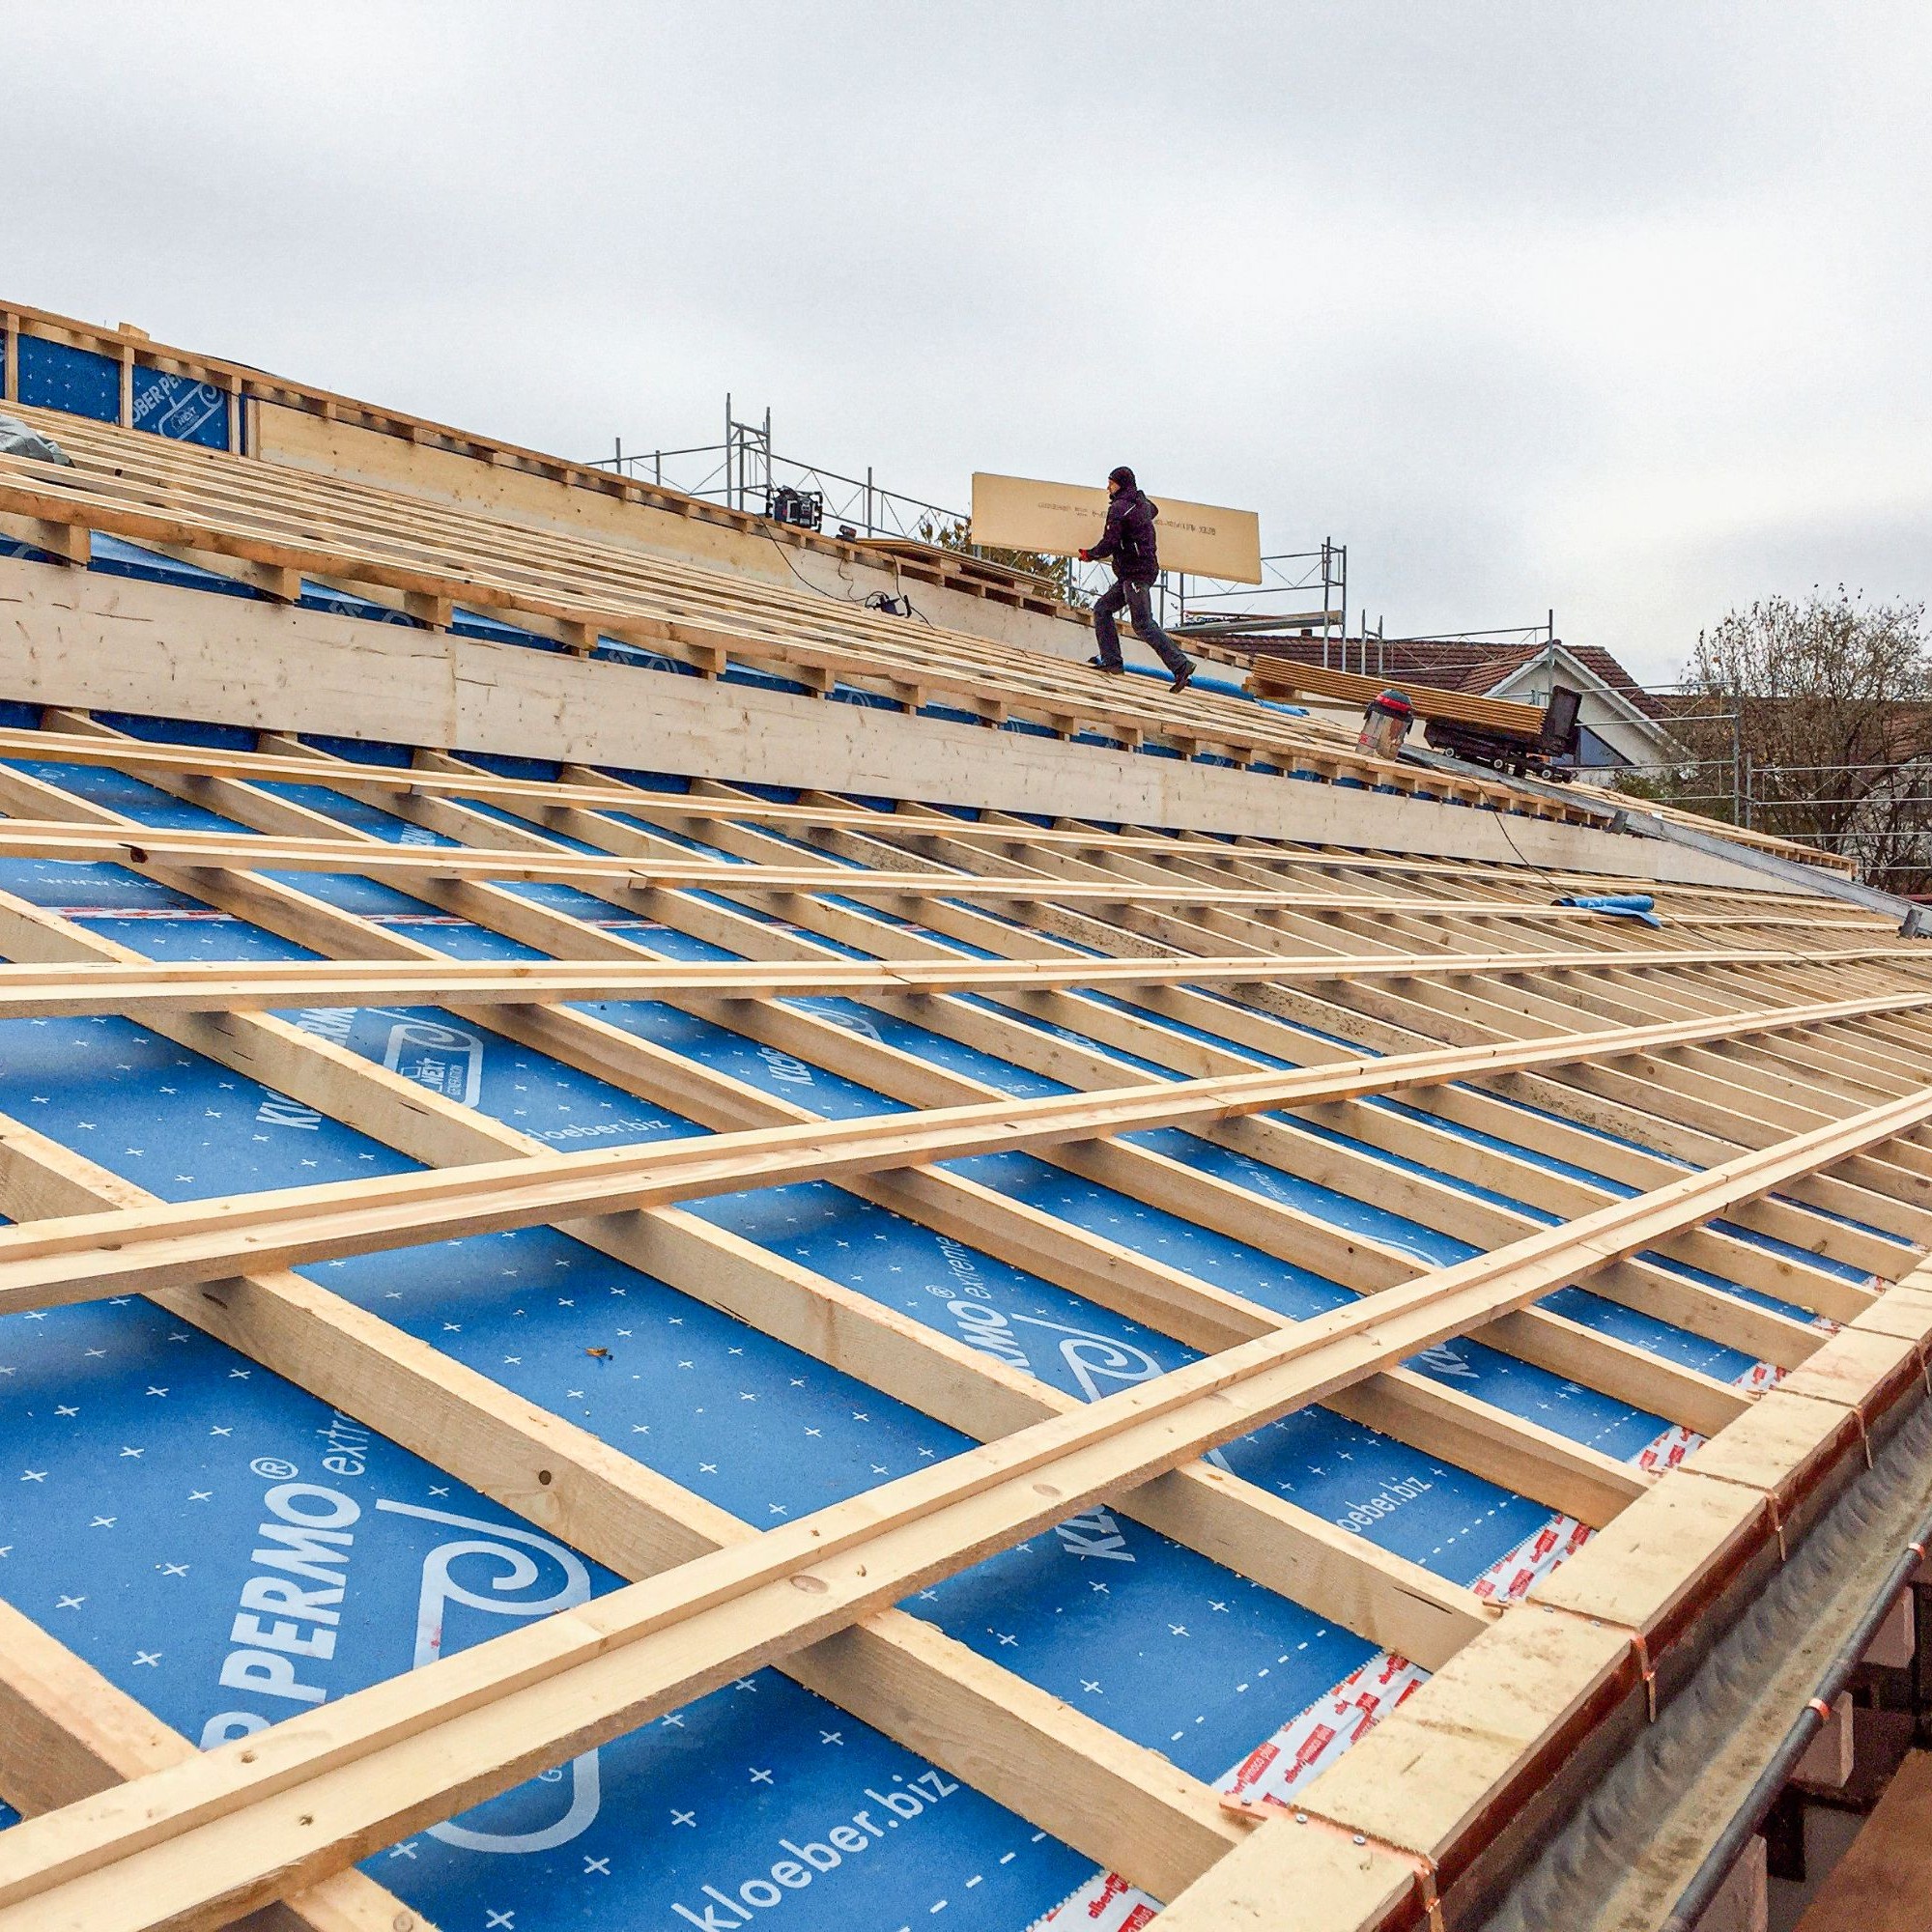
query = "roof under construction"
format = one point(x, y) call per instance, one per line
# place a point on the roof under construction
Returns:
point(680, 1252)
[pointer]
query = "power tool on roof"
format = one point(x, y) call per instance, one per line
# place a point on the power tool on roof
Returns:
point(1385, 723)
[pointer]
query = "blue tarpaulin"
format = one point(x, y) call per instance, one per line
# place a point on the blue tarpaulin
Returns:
point(1617, 905)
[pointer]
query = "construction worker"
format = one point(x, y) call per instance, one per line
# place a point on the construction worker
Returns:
point(1128, 543)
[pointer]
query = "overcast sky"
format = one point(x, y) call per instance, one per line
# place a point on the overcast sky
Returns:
point(1623, 310)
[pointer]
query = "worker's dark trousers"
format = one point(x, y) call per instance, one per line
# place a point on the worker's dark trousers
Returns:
point(1139, 607)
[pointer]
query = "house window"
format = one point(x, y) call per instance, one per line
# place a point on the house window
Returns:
point(1593, 754)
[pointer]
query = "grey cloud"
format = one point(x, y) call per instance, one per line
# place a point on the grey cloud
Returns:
point(1614, 309)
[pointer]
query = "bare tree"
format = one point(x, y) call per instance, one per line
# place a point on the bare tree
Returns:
point(1824, 709)
point(1056, 572)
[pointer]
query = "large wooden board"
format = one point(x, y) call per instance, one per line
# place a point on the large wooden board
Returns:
point(1025, 513)
point(76, 638)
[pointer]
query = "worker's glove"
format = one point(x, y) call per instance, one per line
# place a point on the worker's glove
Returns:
point(1083, 558)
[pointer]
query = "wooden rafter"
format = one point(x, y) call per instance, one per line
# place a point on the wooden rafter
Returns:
point(66, 1732)
point(29, 992)
point(285, 765)
point(203, 1240)
point(28, 838)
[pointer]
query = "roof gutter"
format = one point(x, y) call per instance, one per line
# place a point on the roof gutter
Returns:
point(1914, 920)
point(1709, 1878)
point(1707, 1766)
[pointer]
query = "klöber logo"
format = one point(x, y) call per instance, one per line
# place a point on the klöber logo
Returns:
point(445, 1059)
point(508, 1549)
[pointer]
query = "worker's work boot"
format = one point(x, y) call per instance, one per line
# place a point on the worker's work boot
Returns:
point(1101, 664)
point(1182, 677)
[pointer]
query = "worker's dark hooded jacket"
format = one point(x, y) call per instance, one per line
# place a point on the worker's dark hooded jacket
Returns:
point(1128, 539)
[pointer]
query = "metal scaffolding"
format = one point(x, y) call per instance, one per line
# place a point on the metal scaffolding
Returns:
point(746, 472)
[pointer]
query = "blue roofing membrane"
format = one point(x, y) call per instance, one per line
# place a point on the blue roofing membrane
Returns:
point(231, 1551)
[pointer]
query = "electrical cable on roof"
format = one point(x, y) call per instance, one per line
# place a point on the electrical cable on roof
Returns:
point(817, 590)
point(1502, 824)
point(910, 609)
point(901, 605)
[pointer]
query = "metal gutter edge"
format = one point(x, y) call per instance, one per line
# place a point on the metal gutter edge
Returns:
point(1662, 1825)
point(1709, 1877)
point(1576, 797)
point(1914, 920)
